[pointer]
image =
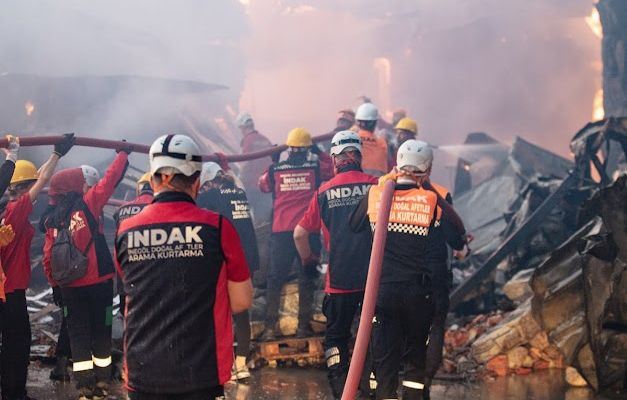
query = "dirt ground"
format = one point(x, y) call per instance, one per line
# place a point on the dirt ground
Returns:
point(311, 384)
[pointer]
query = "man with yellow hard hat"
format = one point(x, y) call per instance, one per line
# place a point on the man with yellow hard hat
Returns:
point(292, 183)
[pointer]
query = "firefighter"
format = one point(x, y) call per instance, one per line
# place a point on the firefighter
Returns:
point(375, 149)
point(144, 196)
point(184, 271)
point(253, 141)
point(87, 299)
point(220, 193)
point(349, 252)
point(26, 184)
point(292, 183)
point(405, 305)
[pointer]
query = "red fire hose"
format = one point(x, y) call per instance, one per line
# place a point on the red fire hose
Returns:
point(140, 148)
point(370, 295)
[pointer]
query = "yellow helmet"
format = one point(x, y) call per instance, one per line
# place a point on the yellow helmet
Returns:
point(24, 171)
point(144, 179)
point(299, 137)
point(407, 124)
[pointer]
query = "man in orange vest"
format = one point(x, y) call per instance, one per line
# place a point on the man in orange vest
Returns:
point(374, 148)
point(405, 306)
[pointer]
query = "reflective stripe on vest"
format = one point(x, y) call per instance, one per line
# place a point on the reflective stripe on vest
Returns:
point(412, 210)
point(374, 152)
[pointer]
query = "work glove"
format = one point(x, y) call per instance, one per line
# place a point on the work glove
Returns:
point(310, 265)
point(56, 296)
point(64, 145)
point(13, 147)
point(6, 235)
point(126, 148)
point(314, 149)
point(276, 156)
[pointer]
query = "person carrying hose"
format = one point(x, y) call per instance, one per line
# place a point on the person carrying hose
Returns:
point(220, 193)
point(184, 272)
point(292, 183)
point(87, 295)
point(6, 173)
point(26, 184)
point(349, 252)
point(405, 305)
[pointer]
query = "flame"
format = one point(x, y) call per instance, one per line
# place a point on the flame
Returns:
point(598, 112)
point(383, 66)
point(594, 22)
point(29, 107)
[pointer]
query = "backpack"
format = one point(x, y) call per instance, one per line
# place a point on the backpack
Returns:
point(67, 262)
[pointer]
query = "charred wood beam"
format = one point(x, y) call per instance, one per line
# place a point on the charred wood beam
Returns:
point(514, 240)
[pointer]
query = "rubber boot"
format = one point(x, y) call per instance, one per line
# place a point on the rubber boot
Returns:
point(273, 301)
point(60, 372)
point(337, 380)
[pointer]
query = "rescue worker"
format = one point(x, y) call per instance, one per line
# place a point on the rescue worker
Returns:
point(26, 184)
point(345, 120)
point(405, 304)
point(183, 268)
point(437, 254)
point(6, 173)
point(374, 148)
point(253, 141)
point(349, 253)
point(144, 197)
point(62, 351)
point(292, 183)
point(88, 299)
point(405, 129)
point(220, 193)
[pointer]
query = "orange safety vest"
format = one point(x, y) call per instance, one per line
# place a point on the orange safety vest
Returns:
point(443, 192)
point(374, 152)
point(413, 210)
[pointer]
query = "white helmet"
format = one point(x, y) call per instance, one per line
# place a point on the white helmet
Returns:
point(209, 172)
point(367, 112)
point(244, 119)
point(91, 175)
point(345, 140)
point(179, 154)
point(414, 153)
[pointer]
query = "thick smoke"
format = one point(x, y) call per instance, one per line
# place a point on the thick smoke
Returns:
point(517, 67)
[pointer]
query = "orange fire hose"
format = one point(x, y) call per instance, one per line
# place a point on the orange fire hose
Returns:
point(370, 295)
point(141, 148)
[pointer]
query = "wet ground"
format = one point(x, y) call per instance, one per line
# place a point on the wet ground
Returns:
point(310, 384)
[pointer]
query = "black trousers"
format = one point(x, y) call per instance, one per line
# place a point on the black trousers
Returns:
point(210, 394)
point(242, 333)
point(16, 338)
point(403, 316)
point(435, 347)
point(340, 311)
point(63, 342)
point(283, 253)
point(89, 319)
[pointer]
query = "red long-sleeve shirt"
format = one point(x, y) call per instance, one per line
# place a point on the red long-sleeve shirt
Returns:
point(95, 199)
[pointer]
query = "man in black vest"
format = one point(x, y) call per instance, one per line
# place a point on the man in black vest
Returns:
point(349, 253)
point(184, 272)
